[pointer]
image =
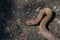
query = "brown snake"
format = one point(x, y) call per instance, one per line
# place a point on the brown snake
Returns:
point(42, 26)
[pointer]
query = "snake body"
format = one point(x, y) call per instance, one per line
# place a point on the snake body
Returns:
point(42, 26)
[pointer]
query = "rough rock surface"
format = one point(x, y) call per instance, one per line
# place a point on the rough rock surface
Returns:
point(13, 15)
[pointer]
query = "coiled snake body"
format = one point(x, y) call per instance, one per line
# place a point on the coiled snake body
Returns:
point(42, 26)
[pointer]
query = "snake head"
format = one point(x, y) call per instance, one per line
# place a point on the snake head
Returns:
point(31, 22)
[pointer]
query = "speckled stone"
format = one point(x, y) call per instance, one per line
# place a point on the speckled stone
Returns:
point(14, 30)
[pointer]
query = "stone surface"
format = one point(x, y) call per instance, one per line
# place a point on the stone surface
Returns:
point(13, 15)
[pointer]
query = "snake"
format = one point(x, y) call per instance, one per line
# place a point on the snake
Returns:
point(42, 25)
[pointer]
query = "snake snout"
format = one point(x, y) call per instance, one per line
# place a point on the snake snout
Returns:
point(28, 22)
point(31, 22)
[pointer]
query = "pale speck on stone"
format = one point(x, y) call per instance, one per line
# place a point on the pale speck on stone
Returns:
point(39, 32)
point(11, 35)
point(27, 12)
point(29, 4)
point(22, 34)
point(59, 21)
point(57, 9)
point(7, 29)
point(55, 19)
point(18, 7)
point(54, 7)
point(16, 39)
point(35, 15)
point(13, 11)
point(38, 9)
